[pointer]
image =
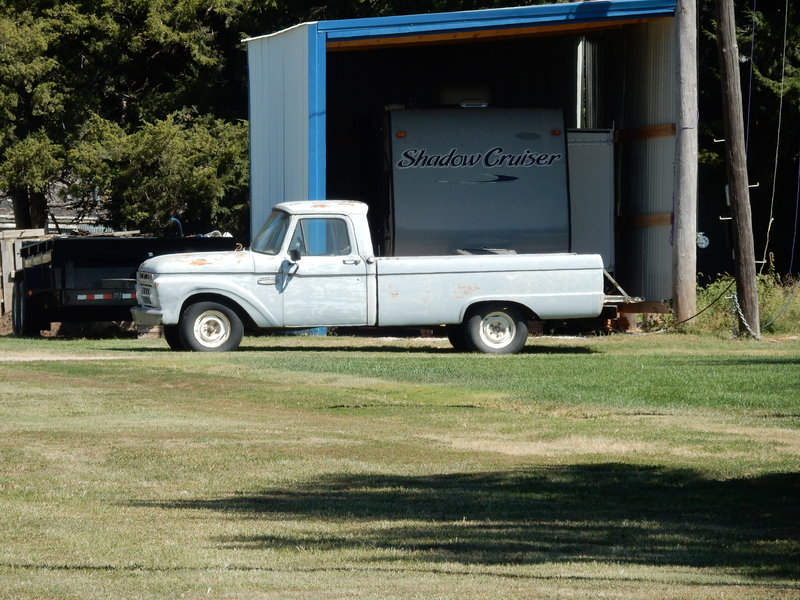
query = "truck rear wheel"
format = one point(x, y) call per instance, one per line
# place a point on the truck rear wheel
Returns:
point(457, 336)
point(210, 327)
point(496, 329)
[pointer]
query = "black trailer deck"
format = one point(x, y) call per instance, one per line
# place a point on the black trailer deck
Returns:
point(84, 279)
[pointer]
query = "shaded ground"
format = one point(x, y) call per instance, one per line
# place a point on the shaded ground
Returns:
point(589, 512)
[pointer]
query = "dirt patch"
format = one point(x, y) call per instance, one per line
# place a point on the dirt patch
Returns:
point(90, 330)
point(569, 445)
point(5, 325)
point(9, 357)
point(789, 439)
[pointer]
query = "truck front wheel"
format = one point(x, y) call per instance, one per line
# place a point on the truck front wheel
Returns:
point(496, 329)
point(210, 327)
point(172, 335)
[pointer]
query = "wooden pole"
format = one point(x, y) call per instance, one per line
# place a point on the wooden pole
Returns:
point(736, 159)
point(684, 226)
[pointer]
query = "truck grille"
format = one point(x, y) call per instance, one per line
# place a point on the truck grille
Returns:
point(145, 290)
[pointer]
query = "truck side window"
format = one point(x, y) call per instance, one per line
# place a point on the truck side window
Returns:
point(321, 237)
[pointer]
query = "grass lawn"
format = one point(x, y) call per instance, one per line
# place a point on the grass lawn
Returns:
point(650, 466)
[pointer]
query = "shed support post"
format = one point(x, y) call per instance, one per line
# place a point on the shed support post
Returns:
point(684, 232)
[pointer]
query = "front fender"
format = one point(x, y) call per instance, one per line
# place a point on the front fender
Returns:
point(176, 292)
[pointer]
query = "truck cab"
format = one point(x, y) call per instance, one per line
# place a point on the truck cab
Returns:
point(333, 242)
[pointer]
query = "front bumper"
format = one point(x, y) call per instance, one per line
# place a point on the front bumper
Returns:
point(146, 317)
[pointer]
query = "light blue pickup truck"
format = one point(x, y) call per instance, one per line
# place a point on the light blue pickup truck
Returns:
point(312, 265)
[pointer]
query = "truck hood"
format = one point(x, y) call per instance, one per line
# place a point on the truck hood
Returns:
point(204, 262)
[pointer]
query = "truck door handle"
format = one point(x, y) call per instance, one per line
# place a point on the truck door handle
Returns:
point(352, 261)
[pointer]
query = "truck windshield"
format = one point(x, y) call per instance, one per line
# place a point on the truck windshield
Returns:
point(270, 239)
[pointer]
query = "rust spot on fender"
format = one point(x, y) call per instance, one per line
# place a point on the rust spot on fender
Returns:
point(463, 291)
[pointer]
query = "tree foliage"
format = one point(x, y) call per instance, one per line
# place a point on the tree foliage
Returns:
point(770, 77)
point(108, 77)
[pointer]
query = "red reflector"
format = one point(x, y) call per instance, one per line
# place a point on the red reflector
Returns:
point(95, 297)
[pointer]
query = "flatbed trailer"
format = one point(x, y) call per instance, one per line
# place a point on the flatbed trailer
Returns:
point(86, 279)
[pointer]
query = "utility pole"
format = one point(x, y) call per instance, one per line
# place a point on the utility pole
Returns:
point(684, 225)
point(736, 160)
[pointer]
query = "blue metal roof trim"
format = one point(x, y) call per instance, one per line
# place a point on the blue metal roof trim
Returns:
point(546, 14)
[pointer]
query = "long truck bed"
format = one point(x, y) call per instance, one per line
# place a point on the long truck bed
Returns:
point(429, 290)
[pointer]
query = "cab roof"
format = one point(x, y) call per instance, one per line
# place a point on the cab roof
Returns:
point(299, 207)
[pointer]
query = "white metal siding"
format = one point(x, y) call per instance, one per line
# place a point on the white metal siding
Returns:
point(647, 182)
point(279, 121)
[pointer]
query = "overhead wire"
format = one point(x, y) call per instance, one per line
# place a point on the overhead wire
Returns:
point(789, 297)
point(710, 304)
point(778, 138)
point(750, 77)
point(796, 215)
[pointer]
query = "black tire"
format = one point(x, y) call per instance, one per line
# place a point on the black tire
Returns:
point(458, 338)
point(16, 310)
point(26, 320)
point(496, 329)
point(172, 335)
point(210, 327)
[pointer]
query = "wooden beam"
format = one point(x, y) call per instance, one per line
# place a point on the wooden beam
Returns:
point(653, 307)
point(650, 132)
point(10, 261)
point(641, 221)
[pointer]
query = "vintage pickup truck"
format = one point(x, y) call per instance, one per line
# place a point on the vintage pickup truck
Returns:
point(312, 265)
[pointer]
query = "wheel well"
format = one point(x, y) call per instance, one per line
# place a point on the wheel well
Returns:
point(525, 311)
point(225, 301)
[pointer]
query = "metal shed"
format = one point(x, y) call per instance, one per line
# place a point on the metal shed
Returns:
point(317, 91)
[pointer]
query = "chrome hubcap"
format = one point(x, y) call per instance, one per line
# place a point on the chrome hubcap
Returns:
point(497, 329)
point(212, 329)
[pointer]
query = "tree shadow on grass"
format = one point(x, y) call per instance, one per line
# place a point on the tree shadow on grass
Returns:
point(751, 361)
point(608, 512)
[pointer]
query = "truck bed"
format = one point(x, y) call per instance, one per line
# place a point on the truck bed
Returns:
point(425, 290)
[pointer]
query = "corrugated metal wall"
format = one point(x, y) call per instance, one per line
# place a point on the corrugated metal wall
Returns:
point(279, 120)
point(647, 159)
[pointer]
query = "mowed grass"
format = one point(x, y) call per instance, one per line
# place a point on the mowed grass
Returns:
point(653, 466)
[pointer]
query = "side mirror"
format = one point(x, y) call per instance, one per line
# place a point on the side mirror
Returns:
point(294, 255)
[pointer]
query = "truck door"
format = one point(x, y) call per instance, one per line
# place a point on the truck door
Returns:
point(328, 285)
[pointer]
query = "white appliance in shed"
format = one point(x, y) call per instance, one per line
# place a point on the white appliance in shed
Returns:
point(591, 192)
